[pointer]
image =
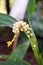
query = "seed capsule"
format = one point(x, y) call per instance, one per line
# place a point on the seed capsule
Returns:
point(21, 29)
point(14, 31)
point(27, 26)
point(28, 32)
point(28, 36)
point(34, 46)
point(31, 34)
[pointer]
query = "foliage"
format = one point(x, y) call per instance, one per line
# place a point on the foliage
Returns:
point(16, 56)
point(30, 8)
point(15, 62)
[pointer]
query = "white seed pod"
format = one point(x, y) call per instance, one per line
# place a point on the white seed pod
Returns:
point(27, 26)
point(31, 34)
point(14, 24)
point(24, 28)
point(28, 36)
point(19, 22)
point(14, 31)
point(17, 32)
point(28, 32)
point(34, 45)
point(23, 23)
point(21, 29)
point(14, 28)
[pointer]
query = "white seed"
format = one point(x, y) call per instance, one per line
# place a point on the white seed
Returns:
point(21, 29)
point(14, 28)
point(28, 35)
point(17, 24)
point(31, 34)
point(27, 25)
point(24, 23)
point(24, 28)
point(17, 30)
point(34, 45)
point(20, 23)
point(14, 24)
point(28, 32)
point(14, 31)
point(29, 28)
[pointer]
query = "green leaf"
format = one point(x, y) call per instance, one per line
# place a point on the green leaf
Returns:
point(15, 62)
point(30, 8)
point(18, 62)
point(6, 20)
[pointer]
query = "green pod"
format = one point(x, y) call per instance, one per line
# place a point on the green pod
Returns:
point(34, 45)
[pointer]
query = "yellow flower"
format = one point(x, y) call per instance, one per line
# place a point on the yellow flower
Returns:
point(10, 42)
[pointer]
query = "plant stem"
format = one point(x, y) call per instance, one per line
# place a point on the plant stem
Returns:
point(34, 46)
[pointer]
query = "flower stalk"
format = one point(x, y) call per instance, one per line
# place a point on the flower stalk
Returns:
point(34, 45)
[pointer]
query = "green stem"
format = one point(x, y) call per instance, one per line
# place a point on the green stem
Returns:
point(34, 46)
